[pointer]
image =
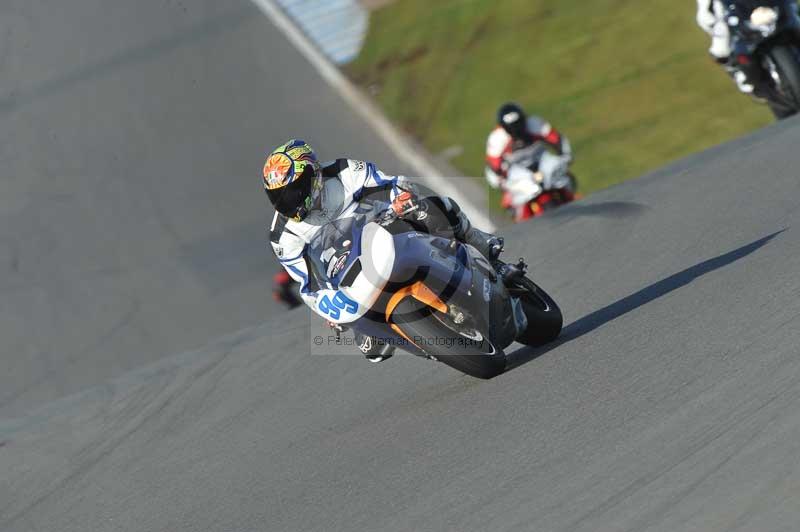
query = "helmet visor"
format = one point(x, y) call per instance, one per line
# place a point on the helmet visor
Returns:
point(515, 128)
point(291, 200)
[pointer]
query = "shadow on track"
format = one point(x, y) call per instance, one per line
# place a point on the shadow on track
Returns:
point(604, 209)
point(600, 317)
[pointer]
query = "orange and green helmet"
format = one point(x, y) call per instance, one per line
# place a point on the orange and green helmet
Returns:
point(292, 179)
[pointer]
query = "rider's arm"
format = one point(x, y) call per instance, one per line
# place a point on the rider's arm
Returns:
point(542, 130)
point(364, 178)
point(705, 15)
point(290, 250)
point(376, 178)
point(493, 178)
point(497, 145)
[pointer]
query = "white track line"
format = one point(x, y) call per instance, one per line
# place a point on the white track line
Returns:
point(369, 112)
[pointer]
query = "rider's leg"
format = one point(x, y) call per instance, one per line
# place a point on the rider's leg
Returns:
point(720, 41)
point(721, 50)
point(488, 244)
point(443, 216)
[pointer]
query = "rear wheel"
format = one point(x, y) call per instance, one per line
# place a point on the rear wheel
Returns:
point(464, 349)
point(787, 65)
point(544, 317)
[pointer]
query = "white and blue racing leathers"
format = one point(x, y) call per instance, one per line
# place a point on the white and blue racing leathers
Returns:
point(344, 182)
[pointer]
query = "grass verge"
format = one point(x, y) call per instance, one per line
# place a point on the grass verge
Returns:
point(629, 82)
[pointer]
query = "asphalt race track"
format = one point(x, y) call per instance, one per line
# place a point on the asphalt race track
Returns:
point(670, 403)
point(133, 224)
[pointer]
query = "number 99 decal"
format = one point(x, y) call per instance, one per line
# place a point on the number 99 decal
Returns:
point(334, 307)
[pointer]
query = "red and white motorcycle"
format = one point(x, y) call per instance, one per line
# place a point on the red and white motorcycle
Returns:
point(531, 188)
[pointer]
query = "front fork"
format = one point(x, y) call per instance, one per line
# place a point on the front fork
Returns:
point(746, 56)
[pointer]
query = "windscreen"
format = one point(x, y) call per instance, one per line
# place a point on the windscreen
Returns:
point(338, 244)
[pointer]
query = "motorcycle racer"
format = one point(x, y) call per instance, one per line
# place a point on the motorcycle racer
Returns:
point(307, 195)
point(712, 17)
point(519, 139)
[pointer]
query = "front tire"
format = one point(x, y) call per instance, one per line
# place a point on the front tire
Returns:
point(544, 317)
point(786, 62)
point(573, 181)
point(461, 351)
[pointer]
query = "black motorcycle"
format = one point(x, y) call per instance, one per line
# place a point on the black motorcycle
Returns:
point(766, 47)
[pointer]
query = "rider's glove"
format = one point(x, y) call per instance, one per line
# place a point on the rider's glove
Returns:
point(493, 178)
point(404, 203)
point(542, 181)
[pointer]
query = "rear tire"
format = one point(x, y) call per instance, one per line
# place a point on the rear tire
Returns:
point(544, 317)
point(476, 358)
point(786, 62)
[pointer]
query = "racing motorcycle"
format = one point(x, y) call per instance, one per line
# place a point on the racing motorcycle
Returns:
point(432, 296)
point(535, 186)
point(767, 49)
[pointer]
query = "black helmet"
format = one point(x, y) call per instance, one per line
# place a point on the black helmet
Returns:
point(512, 118)
point(292, 179)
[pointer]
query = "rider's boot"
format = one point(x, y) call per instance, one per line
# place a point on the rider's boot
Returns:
point(747, 80)
point(723, 57)
point(283, 290)
point(373, 350)
point(443, 215)
point(489, 245)
point(741, 79)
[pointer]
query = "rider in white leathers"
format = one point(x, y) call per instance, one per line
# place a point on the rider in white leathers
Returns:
point(712, 17)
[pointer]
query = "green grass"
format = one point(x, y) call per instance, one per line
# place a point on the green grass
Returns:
point(629, 82)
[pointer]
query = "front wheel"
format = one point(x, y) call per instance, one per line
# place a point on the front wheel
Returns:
point(786, 62)
point(468, 351)
point(573, 181)
point(544, 317)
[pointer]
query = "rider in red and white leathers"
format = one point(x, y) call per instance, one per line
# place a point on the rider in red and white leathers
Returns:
point(516, 138)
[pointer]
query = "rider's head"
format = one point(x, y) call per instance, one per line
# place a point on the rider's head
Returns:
point(292, 179)
point(512, 118)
